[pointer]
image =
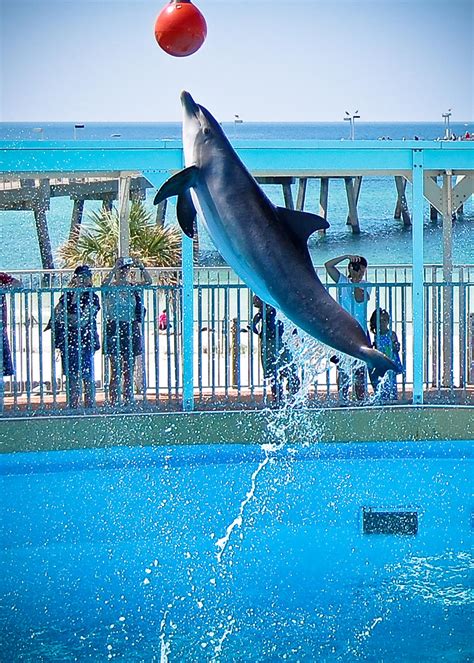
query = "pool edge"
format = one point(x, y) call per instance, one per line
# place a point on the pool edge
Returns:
point(362, 424)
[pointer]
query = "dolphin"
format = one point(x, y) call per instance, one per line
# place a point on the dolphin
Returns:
point(266, 245)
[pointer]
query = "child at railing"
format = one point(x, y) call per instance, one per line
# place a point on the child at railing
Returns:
point(387, 342)
point(163, 321)
point(353, 295)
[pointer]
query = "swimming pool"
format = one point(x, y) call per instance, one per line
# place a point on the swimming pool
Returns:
point(328, 552)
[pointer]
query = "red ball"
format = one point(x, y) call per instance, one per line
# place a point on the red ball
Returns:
point(180, 28)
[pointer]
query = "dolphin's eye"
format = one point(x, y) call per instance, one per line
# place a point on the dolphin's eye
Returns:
point(207, 130)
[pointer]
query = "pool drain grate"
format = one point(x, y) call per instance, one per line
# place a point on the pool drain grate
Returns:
point(389, 522)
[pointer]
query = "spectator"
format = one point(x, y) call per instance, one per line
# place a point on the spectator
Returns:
point(277, 361)
point(74, 328)
point(387, 342)
point(7, 282)
point(124, 313)
point(353, 299)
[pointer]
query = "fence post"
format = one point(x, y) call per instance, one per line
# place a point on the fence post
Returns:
point(470, 345)
point(188, 324)
point(418, 278)
point(235, 352)
point(448, 317)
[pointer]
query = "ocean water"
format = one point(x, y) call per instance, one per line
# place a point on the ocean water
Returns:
point(383, 240)
point(245, 130)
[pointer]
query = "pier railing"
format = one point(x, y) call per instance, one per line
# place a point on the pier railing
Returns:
point(227, 367)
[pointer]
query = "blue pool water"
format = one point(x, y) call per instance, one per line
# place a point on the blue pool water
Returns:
point(234, 553)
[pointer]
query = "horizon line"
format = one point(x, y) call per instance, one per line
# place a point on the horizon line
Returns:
point(461, 121)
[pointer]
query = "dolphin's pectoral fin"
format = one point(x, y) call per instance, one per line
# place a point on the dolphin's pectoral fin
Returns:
point(186, 213)
point(177, 184)
point(301, 224)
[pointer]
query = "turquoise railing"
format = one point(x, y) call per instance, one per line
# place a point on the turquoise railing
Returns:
point(225, 353)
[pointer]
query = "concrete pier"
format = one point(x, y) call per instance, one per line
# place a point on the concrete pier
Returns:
point(35, 193)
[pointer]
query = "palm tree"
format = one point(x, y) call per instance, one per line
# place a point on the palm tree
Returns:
point(96, 243)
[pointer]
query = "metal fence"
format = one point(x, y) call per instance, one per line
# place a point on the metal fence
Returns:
point(39, 372)
point(227, 353)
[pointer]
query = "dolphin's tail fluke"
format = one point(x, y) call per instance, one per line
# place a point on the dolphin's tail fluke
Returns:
point(378, 362)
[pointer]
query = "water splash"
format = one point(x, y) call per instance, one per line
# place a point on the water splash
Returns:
point(289, 421)
point(364, 634)
point(228, 629)
point(442, 579)
point(165, 646)
point(286, 422)
point(238, 520)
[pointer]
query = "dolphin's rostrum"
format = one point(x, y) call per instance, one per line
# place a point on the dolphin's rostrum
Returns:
point(265, 245)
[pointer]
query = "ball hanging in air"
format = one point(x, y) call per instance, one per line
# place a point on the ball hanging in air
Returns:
point(180, 28)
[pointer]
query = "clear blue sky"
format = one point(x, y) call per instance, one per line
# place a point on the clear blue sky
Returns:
point(278, 60)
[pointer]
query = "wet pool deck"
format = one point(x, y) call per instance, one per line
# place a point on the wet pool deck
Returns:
point(221, 421)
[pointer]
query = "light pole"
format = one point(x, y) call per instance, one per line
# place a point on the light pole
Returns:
point(76, 127)
point(447, 128)
point(350, 118)
point(237, 120)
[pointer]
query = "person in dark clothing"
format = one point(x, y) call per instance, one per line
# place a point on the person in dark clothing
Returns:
point(277, 361)
point(7, 282)
point(74, 328)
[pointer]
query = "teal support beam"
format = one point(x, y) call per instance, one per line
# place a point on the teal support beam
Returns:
point(188, 323)
point(418, 278)
point(278, 158)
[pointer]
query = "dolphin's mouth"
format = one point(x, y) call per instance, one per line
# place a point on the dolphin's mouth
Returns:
point(189, 105)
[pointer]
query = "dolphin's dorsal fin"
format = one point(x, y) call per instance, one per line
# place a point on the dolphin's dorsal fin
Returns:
point(177, 184)
point(301, 224)
point(186, 213)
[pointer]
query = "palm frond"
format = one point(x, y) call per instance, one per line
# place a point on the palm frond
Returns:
point(96, 243)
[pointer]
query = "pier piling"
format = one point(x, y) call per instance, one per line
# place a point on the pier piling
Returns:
point(401, 208)
point(76, 217)
point(353, 218)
